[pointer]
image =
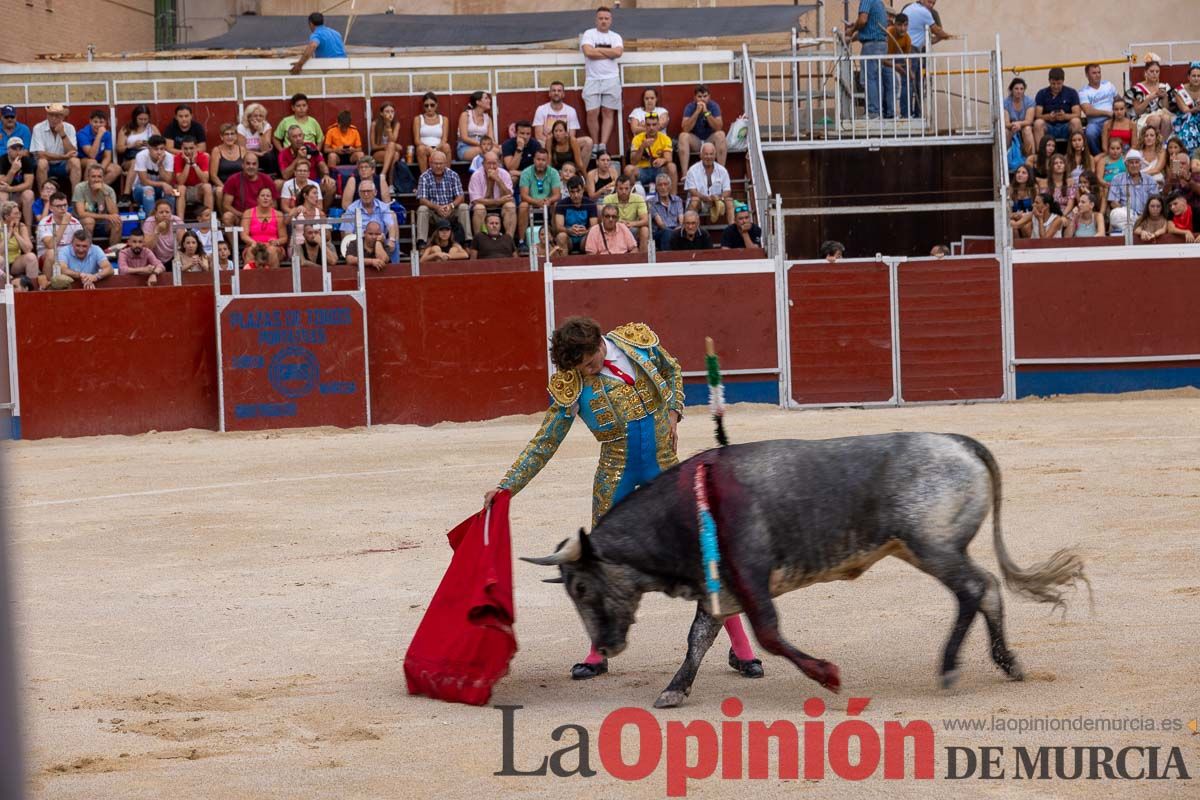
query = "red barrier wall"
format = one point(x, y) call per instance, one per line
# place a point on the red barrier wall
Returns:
point(456, 347)
point(951, 345)
point(841, 335)
point(1081, 309)
point(121, 361)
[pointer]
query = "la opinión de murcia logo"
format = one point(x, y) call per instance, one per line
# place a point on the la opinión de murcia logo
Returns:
point(734, 749)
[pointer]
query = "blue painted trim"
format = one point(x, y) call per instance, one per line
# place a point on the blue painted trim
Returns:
point(1104, 381)
point(15, 427)
point(696, 394)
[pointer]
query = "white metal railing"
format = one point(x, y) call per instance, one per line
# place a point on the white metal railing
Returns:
point(760, 182)
point(813, 100)
point(1180, 52)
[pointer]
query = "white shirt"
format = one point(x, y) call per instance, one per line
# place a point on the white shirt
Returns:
point(715, 185)
point(289, 189)
point(546, 114)
point(1100, 98)
point(143, 163)
point(42, 141)
point(620, 360)
point(601, 69)
point(639, 113)
point(919, 18)
point(46, 228)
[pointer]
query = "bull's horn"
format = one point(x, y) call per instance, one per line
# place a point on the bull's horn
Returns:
point(569, 550)
point(559, 579)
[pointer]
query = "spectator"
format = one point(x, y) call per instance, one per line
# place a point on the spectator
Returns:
point(1096, 102)
point(137, 259)
point(540, 189)
point(1187, 98)
point(18, 245)
point(80, 261)
point(691, 236)
point(309, 208)
point(1019, 109)
point(650, 152)
point(191, 256)
point(300, 150)
point(183, 126)
point(1150, 99)
point(443, 247)
point(899, 43)
point(154, 167)
point(258, 256)
point(41, 206)
point(474, 123)
point(254, 134)
point(491, 192)
point(240, 192)
point(517, 152)
point(440, 196)
point(666, 211)
point(1087, 220)
point(192, 185)
point(431, 131)
point(309, 127)
point(96, 206)
point(1179, 171)
point(1110, 165)
point(602, 181)
point(375, 255)
point(224, 259)
point(556, 109)
point(343, 142)
point(373, 210)
point(385, 138)
point(649, 105)
point(1154, 153)
point(1040, 162)
point(939, 251)
point(573, 217)
point(1079, 157)
point(870, 28)
point(832, 251)
point(96, 146)
point(263, 225)
point(1059, 184)
point(1021, 192)
point(225, 162)
point(1120, 127)
point(312, 247)
point(562, 148)
point(17, 170)
point(1046, 221)
point(486, 145)
point(1152, 224)
point(743, 233)
point(611, 236)
point(921, 17)
point(568, 171)
point(366, 171)
point(492, 243)
point(55, 230)
point(9, 127)
point(163, 232)
point(601, 48)
point(323, 42)
point(1057, 113)
point(132, 138)
point(631, 208)
point(708, 186)
point(702, 122)
point(293, 188)
point(1180, 215)
point(55, 147)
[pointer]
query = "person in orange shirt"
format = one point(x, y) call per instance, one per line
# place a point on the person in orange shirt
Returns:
point(343, 142)
point(900, 43)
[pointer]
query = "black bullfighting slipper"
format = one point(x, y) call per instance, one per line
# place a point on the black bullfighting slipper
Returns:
point(751, 668)
point(582, 672)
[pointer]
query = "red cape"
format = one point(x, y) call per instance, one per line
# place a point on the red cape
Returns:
point(466, 638)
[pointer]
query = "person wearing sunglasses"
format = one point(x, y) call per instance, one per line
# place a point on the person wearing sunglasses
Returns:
point(431, 131)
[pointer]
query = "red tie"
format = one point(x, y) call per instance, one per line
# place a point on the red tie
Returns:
point(615, 370)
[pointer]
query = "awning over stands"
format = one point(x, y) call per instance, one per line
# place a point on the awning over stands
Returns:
point(418, 31)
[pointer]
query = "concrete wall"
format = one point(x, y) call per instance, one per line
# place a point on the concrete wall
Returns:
point(69, 26)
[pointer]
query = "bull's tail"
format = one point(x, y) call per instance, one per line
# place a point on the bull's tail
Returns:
point(1046, 582)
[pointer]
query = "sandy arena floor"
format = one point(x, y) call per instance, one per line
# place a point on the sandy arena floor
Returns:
point(206, 616)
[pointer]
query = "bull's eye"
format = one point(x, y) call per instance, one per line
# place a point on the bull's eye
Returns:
point(581, 590)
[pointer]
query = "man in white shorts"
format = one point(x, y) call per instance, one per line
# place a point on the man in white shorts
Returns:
point(549, 113)
point(601, 48)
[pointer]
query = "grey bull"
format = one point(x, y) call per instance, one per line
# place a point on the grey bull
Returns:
point(793, 513)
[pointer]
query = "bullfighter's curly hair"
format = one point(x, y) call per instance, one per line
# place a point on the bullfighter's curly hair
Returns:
point(574, 341)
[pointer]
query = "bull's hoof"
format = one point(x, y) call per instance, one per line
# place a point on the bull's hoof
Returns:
point(750, 668)
point(1015, 671)
point(823, 672)
point(670, 699)
point(582, 672)
point(949, 679)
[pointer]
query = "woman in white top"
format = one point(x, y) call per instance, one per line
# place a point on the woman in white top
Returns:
point(289, 193)
point(254, 134)
point(473, 124)
point(431, 131)
point(637, 117)
point(309, 208)
point(1046, 221)
point(131, 139)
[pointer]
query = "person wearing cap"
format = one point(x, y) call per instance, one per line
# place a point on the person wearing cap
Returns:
point(10, 127)
point(743, 232)
point(1131, 189)
point(442, 246)
point(650, 153)
point(17, 169)
point(702, 122)
point(55, 147)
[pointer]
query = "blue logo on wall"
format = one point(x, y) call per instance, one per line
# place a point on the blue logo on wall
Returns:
point(293, 372)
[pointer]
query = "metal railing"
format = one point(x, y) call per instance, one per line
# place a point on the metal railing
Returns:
point(835, 99)
point(760, 183)
point(1180, 52)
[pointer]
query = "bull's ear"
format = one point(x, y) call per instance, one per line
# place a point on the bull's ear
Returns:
point(585, 547)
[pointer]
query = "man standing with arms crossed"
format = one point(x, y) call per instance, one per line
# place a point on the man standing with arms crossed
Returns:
point(601, 46)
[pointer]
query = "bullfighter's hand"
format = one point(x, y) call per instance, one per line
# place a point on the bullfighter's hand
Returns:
point(674, 438)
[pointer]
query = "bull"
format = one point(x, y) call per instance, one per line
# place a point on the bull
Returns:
point(792, 513)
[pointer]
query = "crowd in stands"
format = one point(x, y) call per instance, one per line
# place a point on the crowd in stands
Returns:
point(477, 192)
point(1096, 162)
